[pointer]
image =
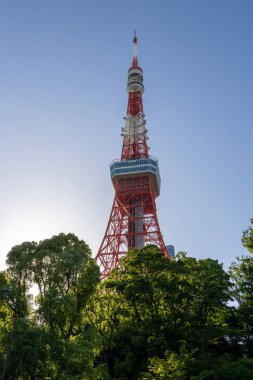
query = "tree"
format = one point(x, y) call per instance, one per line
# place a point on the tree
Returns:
point(241, 273)
point(247, 238)
point(56, 331)
point(19, 270)
point(150, 319)
point(226, 368)
point(203, 295)
point(29, 354)
point(6, 321)
point(173, 367)
point(153, 306)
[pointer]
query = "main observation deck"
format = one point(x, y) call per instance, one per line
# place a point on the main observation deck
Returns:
point(135, 168)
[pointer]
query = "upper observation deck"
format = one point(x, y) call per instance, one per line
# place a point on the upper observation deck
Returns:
point(135, 168)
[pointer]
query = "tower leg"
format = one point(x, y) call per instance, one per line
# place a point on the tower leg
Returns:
point(133, 223)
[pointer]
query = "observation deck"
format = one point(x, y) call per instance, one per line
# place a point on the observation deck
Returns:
point(135, 168)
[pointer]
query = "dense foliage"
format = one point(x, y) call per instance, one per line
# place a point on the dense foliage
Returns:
point(152, 319)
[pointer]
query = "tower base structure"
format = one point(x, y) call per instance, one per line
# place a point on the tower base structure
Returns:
point(133, 222)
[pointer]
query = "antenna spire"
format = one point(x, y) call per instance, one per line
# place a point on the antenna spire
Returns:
point(135, 61)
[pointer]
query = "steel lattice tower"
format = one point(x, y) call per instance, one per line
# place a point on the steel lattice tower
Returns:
point(133, 221)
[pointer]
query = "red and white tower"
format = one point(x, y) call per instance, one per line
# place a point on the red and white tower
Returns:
point(133, 221)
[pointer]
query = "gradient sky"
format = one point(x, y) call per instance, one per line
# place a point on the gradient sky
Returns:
point(62, 101)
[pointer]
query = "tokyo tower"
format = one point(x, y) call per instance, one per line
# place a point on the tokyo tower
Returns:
point(133, 221)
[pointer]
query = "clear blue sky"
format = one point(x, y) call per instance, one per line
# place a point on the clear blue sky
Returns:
point(63, 96)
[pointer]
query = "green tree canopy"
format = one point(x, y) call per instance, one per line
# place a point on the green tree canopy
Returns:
point(151, 319)
point(247, 239)
point(151, 305)
point(57, 339)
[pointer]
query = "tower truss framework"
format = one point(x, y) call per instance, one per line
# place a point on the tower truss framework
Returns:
point(133, 221)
